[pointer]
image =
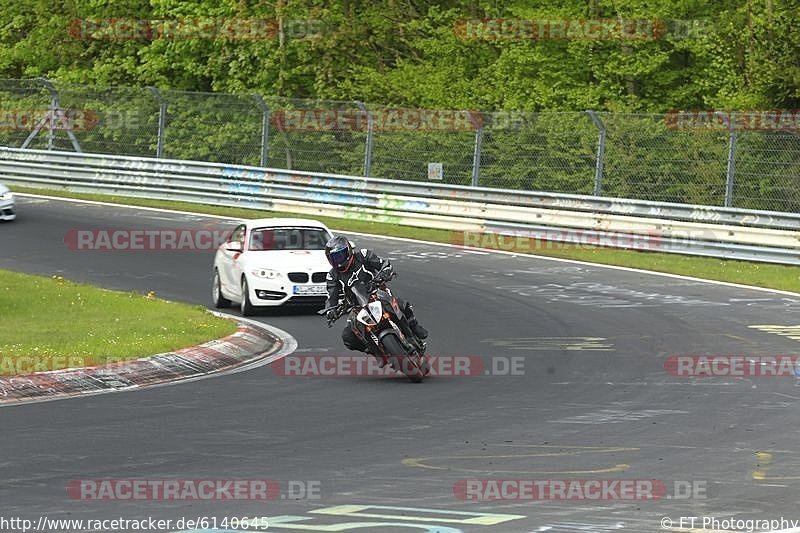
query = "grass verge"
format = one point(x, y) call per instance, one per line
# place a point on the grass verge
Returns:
point(782, 277)
point(52, 323)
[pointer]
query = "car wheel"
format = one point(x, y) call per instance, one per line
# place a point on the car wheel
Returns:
point(220, 302)
point(247, 307)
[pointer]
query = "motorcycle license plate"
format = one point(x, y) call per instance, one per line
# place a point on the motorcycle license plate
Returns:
point(310, 290)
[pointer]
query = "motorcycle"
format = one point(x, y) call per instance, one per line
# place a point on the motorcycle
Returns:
point(377, 320)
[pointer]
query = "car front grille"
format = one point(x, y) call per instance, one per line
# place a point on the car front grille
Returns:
point(319, 277)
point(298, 277)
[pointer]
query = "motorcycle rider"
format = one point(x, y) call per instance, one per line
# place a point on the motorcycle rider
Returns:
point(366, 266)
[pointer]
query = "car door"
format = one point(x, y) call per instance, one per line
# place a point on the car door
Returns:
point(229, 274)
point(238, 260)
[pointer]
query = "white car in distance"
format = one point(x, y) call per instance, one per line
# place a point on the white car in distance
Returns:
point(272, 262)
point(8, 210)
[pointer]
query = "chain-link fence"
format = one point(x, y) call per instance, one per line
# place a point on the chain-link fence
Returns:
point(740, 160)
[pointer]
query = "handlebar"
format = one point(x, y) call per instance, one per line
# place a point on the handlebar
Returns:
point(381, 279)
point(342, 308)
point(384, 279)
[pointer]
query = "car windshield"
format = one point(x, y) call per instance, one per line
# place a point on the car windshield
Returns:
point(288, 239)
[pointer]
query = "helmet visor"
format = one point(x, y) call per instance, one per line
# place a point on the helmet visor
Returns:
point(339, 257)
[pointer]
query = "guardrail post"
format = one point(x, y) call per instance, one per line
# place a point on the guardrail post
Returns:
point(601, 153)
point(264, 128)
point(476, 156)
point(730, 171)
point(162, 121)
point(368, 147)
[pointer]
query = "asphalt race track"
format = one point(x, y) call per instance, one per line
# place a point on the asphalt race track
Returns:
point(590, 401)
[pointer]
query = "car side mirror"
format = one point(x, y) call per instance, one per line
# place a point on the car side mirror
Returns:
point(234, 246)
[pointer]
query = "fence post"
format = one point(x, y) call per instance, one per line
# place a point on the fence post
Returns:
point(162, 121)
point(264, 128)
point(601, 153)
point(368, 147)
point(729, 174)
point(50, 120)
point(476, 155)
point(54, 107)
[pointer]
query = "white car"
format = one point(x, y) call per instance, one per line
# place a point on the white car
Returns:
point(270, 262)
point(7, 209)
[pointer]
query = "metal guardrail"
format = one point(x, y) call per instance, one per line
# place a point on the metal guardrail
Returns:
point(624, 223)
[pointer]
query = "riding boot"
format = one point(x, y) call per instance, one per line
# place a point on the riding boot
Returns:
point(415, 326)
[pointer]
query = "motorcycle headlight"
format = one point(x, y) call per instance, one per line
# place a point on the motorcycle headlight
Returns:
point(376, 310)
point(371, 314)
point(265, 273)
point(364, 317)
point(7, 196)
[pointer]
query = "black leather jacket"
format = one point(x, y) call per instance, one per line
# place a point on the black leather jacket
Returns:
point(365, 267)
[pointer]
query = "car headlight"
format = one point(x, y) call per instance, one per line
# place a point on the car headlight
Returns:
point(7, 196)
point(265, 273)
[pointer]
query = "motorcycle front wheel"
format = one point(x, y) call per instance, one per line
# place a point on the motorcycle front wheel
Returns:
point(407, 364)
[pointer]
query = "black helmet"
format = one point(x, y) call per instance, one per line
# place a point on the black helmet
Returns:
point(339, 252)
